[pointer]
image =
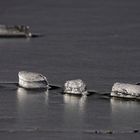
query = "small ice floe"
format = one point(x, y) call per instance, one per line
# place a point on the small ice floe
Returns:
point(125, 90)
point(16, 31)
point(32, 80)
point(76, 87)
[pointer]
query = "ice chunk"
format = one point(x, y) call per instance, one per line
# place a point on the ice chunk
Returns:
point(77, 87)
point(125, 90)
point(31, 80)
point(15, 31)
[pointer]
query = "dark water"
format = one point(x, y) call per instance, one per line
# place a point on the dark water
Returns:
point(95, 40)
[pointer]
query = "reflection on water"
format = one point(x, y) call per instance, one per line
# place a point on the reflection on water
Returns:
point(28, 96)
point(31, 105)
point(124, 105)
point(75, 102)
point(74, 109)
point(125, 112)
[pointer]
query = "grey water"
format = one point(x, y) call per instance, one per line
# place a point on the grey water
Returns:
point(95, 40)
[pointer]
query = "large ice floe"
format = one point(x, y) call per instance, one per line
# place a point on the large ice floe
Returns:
point(76, 87)
point(32, 80)
point(125, 90)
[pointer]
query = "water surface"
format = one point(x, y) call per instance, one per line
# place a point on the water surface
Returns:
point(97, 41)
